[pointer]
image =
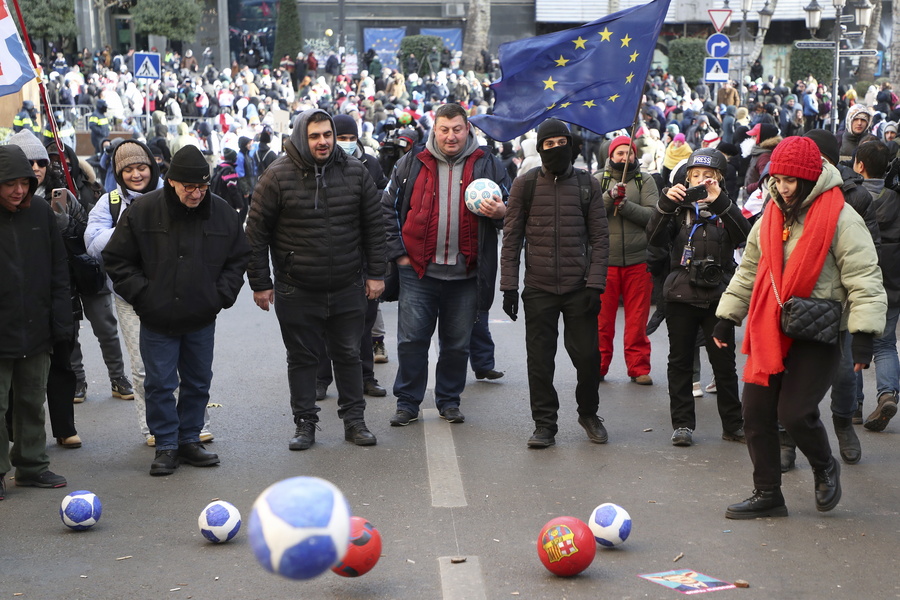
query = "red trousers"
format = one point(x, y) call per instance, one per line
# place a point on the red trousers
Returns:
point(634, 285)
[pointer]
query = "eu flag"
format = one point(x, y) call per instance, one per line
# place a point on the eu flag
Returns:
point(591, 75)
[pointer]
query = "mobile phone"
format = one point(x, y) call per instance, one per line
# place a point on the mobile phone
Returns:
point(58, 199)
point(696, 193)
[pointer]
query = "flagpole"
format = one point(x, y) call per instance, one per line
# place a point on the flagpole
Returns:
point(637, 114)
point(45, 98)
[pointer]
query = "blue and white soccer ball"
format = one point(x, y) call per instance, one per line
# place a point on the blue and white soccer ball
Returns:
point(300, 527)
point(80, 510)
point(220, 521)
point(478, 191)
point(610, 524)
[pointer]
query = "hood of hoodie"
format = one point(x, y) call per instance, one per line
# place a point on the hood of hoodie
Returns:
point(529, 147)
point(154, 168)
point(301, 144)
point(183, 128)
point(14, 165)
point(469, 148)
point(765, 146)
point(731, 109)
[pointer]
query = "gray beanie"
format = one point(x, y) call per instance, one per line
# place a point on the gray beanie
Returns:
point(30, 144)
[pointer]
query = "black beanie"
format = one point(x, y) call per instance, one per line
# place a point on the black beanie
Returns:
point(827, 144)
point(189, 166)
point(767, 131)
point(229, 155)
point(552, 128)
point(345, 125)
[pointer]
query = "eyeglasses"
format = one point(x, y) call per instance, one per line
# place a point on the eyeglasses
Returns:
point(190, 188)
point(42, 163)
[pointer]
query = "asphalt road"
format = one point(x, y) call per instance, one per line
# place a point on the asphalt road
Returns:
point(436, 490)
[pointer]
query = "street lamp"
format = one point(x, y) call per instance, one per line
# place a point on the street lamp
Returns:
point(862, 10)
point(813, 17)
point(746, 5)
point(765, 17)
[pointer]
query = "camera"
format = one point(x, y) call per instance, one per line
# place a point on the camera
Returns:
point(706, 273)
point(695, 194)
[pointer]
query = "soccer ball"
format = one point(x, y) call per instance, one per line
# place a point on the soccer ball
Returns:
point(363, 552)
point(565, 546)
point(80, 510)
point(479, 191)
point(300, 527)
point(610, 524)
point(220, 521)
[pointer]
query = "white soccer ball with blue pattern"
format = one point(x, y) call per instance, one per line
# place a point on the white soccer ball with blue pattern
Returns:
point(610, 524)
point(220, 521)
point(80, 510)
point(479, 191)
point(300, 527)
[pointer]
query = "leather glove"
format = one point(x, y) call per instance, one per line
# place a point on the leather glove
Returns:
point(724, 331)
point(861, 347)
point(592, 301)
point(617, 194)
point(666, 204)
point(511, 304)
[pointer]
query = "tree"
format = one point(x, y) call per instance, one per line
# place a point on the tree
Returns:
point(102, 6)
point(50, 19)
point(174, 19)
point(683, 53)
point(478, 26)
point(288, 39)
point(866, 70)
point(895, 44)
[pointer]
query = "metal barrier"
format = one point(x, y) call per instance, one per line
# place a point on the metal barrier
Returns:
point(77, 115)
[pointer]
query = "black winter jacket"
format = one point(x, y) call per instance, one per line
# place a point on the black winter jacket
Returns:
point(861, 200)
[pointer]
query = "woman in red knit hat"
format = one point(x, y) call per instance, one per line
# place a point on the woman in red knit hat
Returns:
point(807, 244)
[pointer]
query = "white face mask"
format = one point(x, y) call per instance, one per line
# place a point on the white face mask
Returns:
point(348, 147)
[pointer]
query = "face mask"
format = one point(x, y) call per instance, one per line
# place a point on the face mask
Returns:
point(348, 147)
point(557, 159)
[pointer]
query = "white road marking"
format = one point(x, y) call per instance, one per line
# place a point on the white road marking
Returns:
point(461, 581)
point(443, 467)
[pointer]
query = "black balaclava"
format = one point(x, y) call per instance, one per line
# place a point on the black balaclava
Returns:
point(558, 159)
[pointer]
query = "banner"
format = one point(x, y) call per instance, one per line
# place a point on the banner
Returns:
point(15, 69)
point(386, 42)
point(452, 36)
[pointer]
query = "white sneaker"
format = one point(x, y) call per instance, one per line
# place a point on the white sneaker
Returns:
point(698, 391)
point(206, 436)
point(151, 439)
point(711, 388)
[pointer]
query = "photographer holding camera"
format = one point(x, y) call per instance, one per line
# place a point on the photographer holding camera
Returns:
point(701, 227)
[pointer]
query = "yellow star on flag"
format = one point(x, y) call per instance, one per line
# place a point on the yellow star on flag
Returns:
point(565, 105)
point(579, 43)
point(633, 57)
point(561, 62)
point(614, 97)
point(589, 103)
point(605, 34)
point(625, 40)
point(552, 106)
point(549, 83)
point(629, 78)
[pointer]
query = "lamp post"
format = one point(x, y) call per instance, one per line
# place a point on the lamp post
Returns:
point(746, 5)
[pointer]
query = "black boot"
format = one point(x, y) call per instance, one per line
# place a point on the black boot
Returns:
point(763, 503)
point(165, 462)
point(195, 454)
point(828, 486)
point(848, 442)
point(788, 451)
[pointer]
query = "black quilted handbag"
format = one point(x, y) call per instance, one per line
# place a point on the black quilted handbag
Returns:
point(810, 319)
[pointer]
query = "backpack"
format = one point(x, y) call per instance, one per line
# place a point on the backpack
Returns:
point(115, 205)
point(584, 184)
point(607, 179)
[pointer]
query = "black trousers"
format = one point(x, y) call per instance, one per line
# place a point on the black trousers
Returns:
point(792, 398)
point(542, 311)
point(324, 375)
point(683, 321)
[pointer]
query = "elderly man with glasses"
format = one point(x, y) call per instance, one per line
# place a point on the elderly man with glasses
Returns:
point(178, 257)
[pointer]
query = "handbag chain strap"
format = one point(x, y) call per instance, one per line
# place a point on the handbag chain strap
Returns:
point(775, 289)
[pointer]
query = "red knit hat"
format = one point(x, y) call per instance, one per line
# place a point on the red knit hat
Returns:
point(796, 157)
point(619, 141)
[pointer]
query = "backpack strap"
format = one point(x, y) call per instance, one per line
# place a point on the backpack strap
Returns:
point(584, 186)
point(528, 194)
point(115, 205)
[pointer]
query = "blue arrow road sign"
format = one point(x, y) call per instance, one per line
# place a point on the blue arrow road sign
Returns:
point(146, 65)
point(718, 45)
point(715, 70)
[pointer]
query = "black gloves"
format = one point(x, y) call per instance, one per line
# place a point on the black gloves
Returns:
point(861, 348)
point(666, 204)
point(724, 331)
point(511, 304)
point(592, 301)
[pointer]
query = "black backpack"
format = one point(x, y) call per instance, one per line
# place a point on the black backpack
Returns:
point(584, 184)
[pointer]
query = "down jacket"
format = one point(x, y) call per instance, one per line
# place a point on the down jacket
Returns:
point(850, 274)
point(565, 249)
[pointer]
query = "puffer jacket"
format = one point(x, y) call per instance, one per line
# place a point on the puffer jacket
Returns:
point(859, 198)
point(321, 223)
point(759, 158)
point(850, 274)
point(628, 224)
point(887, 208)
point(565, 249)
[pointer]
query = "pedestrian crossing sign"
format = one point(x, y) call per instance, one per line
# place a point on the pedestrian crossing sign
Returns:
point(715, 70)
point(146, 65)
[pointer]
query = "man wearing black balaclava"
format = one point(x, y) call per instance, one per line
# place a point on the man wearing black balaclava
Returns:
point(560, 211)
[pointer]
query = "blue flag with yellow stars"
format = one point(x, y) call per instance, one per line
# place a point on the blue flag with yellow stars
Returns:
point(591, 75)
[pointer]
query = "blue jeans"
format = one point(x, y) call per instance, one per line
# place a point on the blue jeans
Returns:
point(846, 389)
point(182, 362)
point(887, 365)
point(422, 302)
point(481, 348)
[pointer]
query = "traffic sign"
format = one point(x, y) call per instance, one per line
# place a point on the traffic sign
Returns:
point(146, 65)
point(715, 70)
point(810, 44)
point(860, 52)
point(720, 18)
point(718, 45)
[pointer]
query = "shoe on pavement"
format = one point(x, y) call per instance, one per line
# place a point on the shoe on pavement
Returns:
point(379, 353)
point(848, 441)
point(80, 392)
point(828, 486)
point(206, 436)
point(359, 434)
point(71, 442)
point(642, 380)
point(683, 437)
point(697, 390)
point(734, 436)
point(711, 388)
point(121, 388)
point(402, 418)
point(593, 425)
point(489, 374)
point(304, 436)
point(763, 503)
point(47, 479)
point(150, 439)
point(165, 463)
point(371, 388)
point(195, 454)
point(858, 415)
point(541, 438)
point(452, 415)
point(883, 413)
point(321, 392)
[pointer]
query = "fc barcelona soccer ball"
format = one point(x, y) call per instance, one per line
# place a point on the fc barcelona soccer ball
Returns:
point(80, 510)
point(479, 191)
point(363, 551)
point(220, 521)
point(610, 524)
point(299, 527)
point(566, 546)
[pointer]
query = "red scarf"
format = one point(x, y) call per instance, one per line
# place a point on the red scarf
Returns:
point(765, 344)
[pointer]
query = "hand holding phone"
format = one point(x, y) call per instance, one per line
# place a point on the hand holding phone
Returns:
point(59, 200)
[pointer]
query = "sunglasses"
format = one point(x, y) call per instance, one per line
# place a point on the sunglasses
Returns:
point(41, 162)
point(191, 188)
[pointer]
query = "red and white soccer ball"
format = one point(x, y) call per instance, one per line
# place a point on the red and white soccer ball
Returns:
point(566, 546)
point(363, 551)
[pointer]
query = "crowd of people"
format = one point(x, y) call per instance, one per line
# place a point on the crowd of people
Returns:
point(334, 192)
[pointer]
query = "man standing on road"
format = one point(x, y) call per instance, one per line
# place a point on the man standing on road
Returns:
point(316, 210)
point(178, 257)
point(446, 257)
point(563, 219)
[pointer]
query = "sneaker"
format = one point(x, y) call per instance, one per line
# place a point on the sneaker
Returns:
point(711, 388)
point(734, 436)
point(206, 436)
point(321, 392)
point(541, 438)
point(80, 392)
point(196, 455)
point(371, 388)
point(763, 503)
point(883, 413)
point(697, 391)
point(683, 437)
point(359, 434)
point(121, 388)
point(165, 463)
point(47, 479)
point(304, 436)
point(489, 374)
point(71, 442)
point(379, 352)
point(2, 486)
point(642, 380)
point(452, 415)
point(150, 439)
point(402, 418)
point(593, 425)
